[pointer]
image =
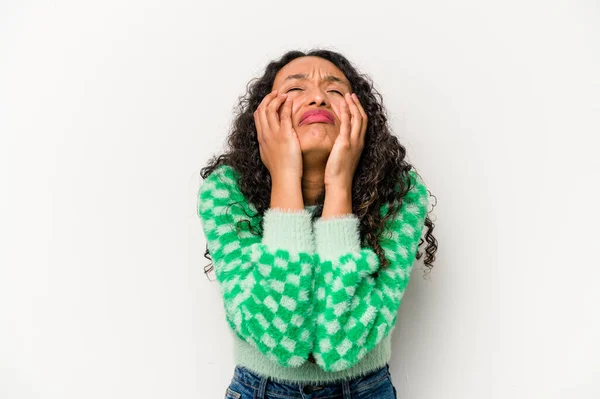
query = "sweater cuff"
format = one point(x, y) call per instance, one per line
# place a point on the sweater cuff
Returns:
point(337, 236)
point(290, 230)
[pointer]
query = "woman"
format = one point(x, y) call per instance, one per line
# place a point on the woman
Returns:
point(313, 219)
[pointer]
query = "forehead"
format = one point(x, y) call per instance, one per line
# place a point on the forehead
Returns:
point(308, 65)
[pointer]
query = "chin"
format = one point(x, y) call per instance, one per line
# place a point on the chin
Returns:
point(313, 144)
point(318, 130)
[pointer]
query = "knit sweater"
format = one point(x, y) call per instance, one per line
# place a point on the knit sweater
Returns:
point(306, 289)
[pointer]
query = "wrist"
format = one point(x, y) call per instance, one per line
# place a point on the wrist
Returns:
point(338, 202)
point(338, 191)
point(287, 195)
point(342, 186)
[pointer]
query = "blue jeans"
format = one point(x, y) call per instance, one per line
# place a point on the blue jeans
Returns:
point(245, 384)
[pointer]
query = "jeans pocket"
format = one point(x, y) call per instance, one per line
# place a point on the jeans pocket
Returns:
point(231, 394)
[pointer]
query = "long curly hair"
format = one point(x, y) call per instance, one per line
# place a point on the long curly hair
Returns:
point(382, 166)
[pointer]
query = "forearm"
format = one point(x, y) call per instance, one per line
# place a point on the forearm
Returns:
point(357, 300)
point(266, 282)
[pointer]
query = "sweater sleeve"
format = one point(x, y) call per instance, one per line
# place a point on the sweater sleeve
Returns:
point(265, 282)
point(356, 301)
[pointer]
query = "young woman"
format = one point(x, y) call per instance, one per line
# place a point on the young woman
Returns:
point(313, 219)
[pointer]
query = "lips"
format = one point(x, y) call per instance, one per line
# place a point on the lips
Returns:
point(316, 116)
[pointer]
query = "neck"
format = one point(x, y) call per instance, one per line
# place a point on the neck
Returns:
point(313, 182)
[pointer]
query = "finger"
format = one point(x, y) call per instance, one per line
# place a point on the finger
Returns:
point(257, 117)
point(264, 123)
point(258, 126)
point(272, 111)
point(259, 110)
point(362, 113)
point(265, 101)
point(345, 126)
point(356, 120)
point(286, 114)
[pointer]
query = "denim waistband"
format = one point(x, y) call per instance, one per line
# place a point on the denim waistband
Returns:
point(265, 385)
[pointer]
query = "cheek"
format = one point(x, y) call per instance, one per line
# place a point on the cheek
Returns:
point(297, 102)
point(337, 109)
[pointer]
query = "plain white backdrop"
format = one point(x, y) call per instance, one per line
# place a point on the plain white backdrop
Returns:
point(109, 109)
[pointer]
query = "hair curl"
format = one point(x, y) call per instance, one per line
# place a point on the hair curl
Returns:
point(382, 166)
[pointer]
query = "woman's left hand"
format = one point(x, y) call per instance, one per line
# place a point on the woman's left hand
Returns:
point(349, 144)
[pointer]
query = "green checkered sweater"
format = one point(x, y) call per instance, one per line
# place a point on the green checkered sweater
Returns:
point(302, 289)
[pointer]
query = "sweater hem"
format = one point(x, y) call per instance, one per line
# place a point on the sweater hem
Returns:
point(336, 380)
point(246, 356)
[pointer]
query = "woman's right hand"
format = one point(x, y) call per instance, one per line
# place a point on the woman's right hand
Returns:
point(277, 140)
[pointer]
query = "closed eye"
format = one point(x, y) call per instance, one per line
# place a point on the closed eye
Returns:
point(335, 91)
point(293, 88)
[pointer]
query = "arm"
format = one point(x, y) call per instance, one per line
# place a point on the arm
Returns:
point(266, 282)
point(354, 307)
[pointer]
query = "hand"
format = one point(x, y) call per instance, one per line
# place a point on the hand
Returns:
point(278, 142)
point(349, 144)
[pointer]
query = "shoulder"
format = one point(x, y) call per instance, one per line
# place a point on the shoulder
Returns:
point(223, 173)
point(416, 199)
point(222, 179)
point(417, 185)
point(221, 188)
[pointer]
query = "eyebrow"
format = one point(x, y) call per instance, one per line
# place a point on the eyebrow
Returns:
point(327, 78)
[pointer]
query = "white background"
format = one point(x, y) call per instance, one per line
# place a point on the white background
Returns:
point(109, 109)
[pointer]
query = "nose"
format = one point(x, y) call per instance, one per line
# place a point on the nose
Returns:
point(316, 97)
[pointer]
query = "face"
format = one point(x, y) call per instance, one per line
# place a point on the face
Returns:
point(314, 84)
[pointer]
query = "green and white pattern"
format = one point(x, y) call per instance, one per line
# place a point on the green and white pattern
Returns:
point(266, 291)
point(306, 297)
point(355, 310)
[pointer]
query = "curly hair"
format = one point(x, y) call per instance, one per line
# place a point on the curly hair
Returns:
point(381, 168)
